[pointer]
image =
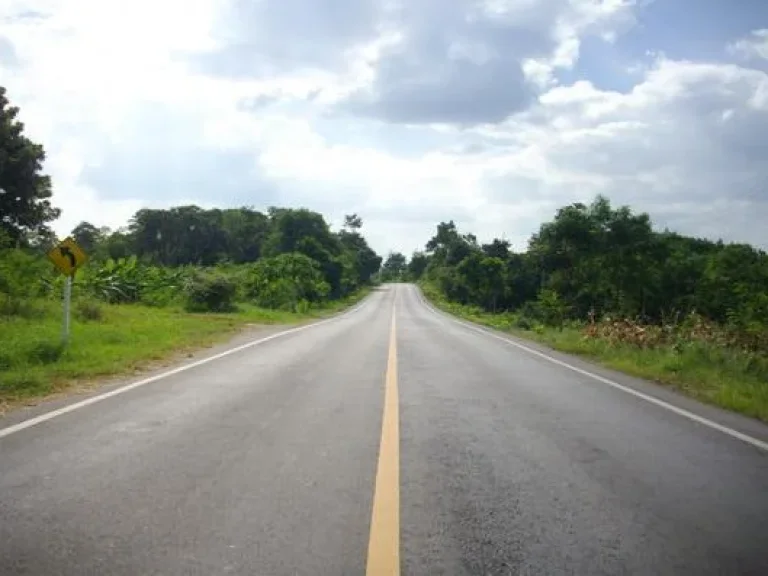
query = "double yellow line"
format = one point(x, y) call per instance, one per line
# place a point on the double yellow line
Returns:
point(384, 541)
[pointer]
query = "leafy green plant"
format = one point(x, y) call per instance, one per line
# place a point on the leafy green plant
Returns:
point(283, 281)
point(209, 293)
point(22, 277)
point(117, 281)
point(126, 280)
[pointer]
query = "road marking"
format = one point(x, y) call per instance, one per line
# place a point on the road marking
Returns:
point(384, 541)
point(760, 444)
point(94, 399)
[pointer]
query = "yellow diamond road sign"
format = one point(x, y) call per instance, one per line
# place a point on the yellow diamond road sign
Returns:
point(67, 256)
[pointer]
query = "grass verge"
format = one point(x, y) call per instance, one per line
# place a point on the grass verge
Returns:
point(725, 377)
point(108, 340)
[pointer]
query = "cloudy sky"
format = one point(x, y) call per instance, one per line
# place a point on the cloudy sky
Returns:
point(489, 112)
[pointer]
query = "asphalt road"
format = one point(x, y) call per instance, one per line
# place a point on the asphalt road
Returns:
point(389, 437)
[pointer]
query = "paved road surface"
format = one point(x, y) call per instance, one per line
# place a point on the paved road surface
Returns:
point(290, 457)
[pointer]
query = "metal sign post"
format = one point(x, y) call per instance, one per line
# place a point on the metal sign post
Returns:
point(67, 306)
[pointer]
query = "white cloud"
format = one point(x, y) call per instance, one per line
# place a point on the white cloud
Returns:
point(130, 117)
point(753, 46)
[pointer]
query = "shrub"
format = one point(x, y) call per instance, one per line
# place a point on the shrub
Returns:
point(17, 306)
point(284, 280)
point(524, 322)
point(209, 293)
point(117, 281)
point(161, 286)
point(88, 311)
point(45, 352)
point(552, 308)
point(22, 280)
point(303, 306)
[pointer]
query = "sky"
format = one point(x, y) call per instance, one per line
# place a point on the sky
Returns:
point(493, 113)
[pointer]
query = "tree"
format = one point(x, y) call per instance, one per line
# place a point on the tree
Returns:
point(448, 247)
point(289, 226)
point(353, 222)
point(394, 267)
point(118, 244)
point(366, 262)
point(246, 230)
point(25, 206)
point(497, 249)
point(417, 265)
point(87, 236)
point(180, 235)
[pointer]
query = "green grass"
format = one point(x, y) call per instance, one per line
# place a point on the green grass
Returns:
point(724, 377)
point(116, 339)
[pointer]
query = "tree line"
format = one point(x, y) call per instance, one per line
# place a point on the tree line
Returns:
point(189, 235)
point(593, 261)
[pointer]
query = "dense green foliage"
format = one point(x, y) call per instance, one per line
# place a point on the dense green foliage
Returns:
point(595, 261)
point(295, 261)
point(209, 293)
point(394, 267)
point(286, 281)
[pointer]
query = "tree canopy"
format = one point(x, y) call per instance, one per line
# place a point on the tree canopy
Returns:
point(25, 192)
point(394, 267)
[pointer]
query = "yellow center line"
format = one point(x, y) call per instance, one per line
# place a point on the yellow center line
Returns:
point(384, 541)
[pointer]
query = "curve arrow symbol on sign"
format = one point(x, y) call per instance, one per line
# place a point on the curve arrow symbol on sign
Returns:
point(67, 253)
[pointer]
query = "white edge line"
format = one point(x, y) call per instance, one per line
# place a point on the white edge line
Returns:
point(661, 403)
point(121, 390)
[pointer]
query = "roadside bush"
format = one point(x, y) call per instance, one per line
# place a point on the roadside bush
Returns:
point(524, 322)
point(209, 293)
point(127, 280)
point(88, 311)
point(116, 281)
point(162, 286)
point(21, 307)
point(278, 294)
point(45, 352)
point(22, 280)
point(283, 281)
